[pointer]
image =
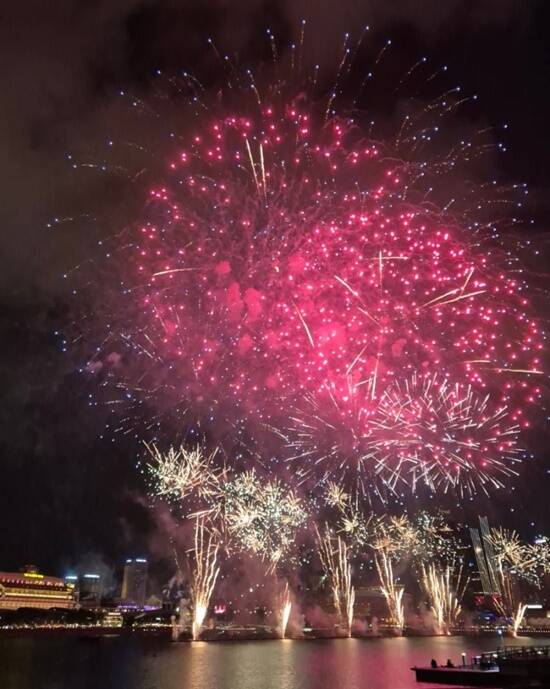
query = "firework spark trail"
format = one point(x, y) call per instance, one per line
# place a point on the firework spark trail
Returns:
point(448, 434)
point(393, 539)
point(517, 618)
point(334, 556)
point(285, 606)
point(422, 429)
point(392, 592)
point(180, 473)
point(262, 516)
point(445, 589)
point(285, 258)
point(434, 540)
point(256, 515)
point(205, 573)
point(427, 541)
point(516, 561)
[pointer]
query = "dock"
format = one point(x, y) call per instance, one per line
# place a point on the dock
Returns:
point(507, 666)
point(460, 676)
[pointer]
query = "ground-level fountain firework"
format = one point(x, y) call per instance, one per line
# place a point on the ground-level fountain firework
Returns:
point(333, 553)
point(308, 309)
point(445, 589)
point(205, 573)
point(388, 554)
point(285, 608)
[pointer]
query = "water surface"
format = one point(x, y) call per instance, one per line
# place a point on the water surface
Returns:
point(147, 663)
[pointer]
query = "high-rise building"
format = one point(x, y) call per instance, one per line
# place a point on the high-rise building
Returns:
point(91, 590)
point(485, 557)
point(71, 580)
point(134, 582)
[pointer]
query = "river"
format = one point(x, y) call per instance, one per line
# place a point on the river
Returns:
point(154, 663)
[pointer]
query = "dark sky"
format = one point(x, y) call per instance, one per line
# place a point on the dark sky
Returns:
point(64, 492)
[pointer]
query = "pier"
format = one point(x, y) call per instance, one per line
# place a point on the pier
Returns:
point(523, 666)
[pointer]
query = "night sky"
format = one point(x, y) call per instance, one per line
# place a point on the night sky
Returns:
point(66, 494)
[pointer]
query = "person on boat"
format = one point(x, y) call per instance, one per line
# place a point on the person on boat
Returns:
point(450, 663)
point(433, 663)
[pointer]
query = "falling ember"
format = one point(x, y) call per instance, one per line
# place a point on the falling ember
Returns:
point(334, 556)
point(205, 573)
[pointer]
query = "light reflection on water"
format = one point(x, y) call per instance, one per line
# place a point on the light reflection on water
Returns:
point(138, 663)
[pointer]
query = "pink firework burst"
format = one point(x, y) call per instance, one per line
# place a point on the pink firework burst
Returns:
point(418, 430)
point(288, 260)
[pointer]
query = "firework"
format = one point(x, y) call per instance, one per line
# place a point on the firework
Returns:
point(336, 496)
point(392, 592)
point(515, 561)
point(435, 541)
point(180, 473)
point(352, 521)
point(397, 536)
point(205, 573)
point(334, 556)
point(425, 540)
point(517, 618)
point(443, 433)
point(262, 516)
point(394, 539)
point(254, 515)
point(423, 430)
point(285, 606)
point(526, 561)
point(445, 590)
point(291, 271)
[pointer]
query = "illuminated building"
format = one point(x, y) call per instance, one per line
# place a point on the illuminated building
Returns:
point(134, 583)
point(88, 588)
point(485, 558)
point(30, 589)
point(91, 590)
point(71, 580)
point(112, 618)
point(370, 601)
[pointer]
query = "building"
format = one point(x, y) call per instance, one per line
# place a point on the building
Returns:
point(370, 601)
point(112, 618)
point(485, 558)
point(72, 579)
point(30, 589)
point(90, 590)
point(134, 582)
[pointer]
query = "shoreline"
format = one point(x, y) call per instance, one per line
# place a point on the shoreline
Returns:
point(235, 636)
